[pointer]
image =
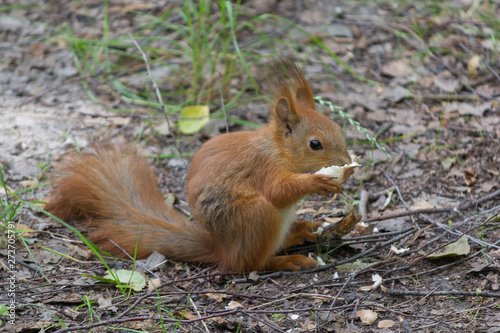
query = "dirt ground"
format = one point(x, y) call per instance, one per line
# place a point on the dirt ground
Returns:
point(435, 107)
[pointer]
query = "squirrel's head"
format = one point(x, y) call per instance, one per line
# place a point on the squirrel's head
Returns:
point(306, 138)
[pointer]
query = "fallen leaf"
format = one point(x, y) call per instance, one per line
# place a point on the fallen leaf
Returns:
point(472, 65)
point(233, 305)
point(459, 248)
point(367, 317)
point(422, 205)
point(218, 297)
point(447, 162)
point(153, 284)
point(106, 303)
point(468, 109)
point(127, 277)
point(470, 176)
point(446, 82)
point(253, 276)
point(186, 315)
point(386, 323)
point(193, 118)
point(398, 68)
point(395, 94)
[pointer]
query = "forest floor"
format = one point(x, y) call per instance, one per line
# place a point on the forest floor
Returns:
point(423, 77)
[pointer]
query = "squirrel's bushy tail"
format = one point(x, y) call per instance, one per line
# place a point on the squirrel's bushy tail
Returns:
point(117, 194)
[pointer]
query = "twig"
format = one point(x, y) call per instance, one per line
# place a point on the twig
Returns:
point(199, 315)
point(351, 276)
point(276, 328)
point(117, 115)
point(443, 97)
point(434, 210)
point(160, 99)
point(434, 269)
point(118, 320)
point(400, 197)
point(402, 313)
point(441, 293)
point(328, 266)
point(492, 71)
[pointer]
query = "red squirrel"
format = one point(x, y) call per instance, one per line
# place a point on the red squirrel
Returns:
point(242, 187)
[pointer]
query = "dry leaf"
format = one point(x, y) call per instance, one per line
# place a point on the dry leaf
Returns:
point(218, 297)
point(422, 205)
point(186, 315)
point(472, 65)
point(233, 305)
point(448, 162)
point(446, 82)
point(367, 317)
point(153, 284)
point(253, 276)
point(106, 303)
point(395, 94)
point(459, 248)
point(471, 109)
point(398, 68)
point(470, 176)
point(386, 323)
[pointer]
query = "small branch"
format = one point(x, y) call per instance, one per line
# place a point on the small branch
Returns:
point(276, 328)
point(434, 210)
point(443, 97)
point(328, 266)
point(400, 197)
point(199, 315)
point(394, 292)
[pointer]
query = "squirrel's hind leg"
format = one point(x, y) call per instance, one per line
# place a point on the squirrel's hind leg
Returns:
point(295, 262)
point(301, 231)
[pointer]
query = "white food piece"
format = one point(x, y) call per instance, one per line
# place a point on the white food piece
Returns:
point(399, 251)
point(341, 173)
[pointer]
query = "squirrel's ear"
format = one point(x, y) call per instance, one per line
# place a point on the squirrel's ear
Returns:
point(286, 116)
point(305, 96)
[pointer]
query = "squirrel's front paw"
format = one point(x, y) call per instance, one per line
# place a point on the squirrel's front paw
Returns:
point(324, 184)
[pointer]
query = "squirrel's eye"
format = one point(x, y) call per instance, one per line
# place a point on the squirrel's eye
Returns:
point(315, 145)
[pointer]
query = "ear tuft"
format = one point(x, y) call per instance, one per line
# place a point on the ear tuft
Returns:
point(285, 79)
point(305, 96)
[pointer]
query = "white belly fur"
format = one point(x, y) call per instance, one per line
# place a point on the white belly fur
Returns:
point(288, 217)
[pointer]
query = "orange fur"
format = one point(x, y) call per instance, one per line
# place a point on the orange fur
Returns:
point(242, 187)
